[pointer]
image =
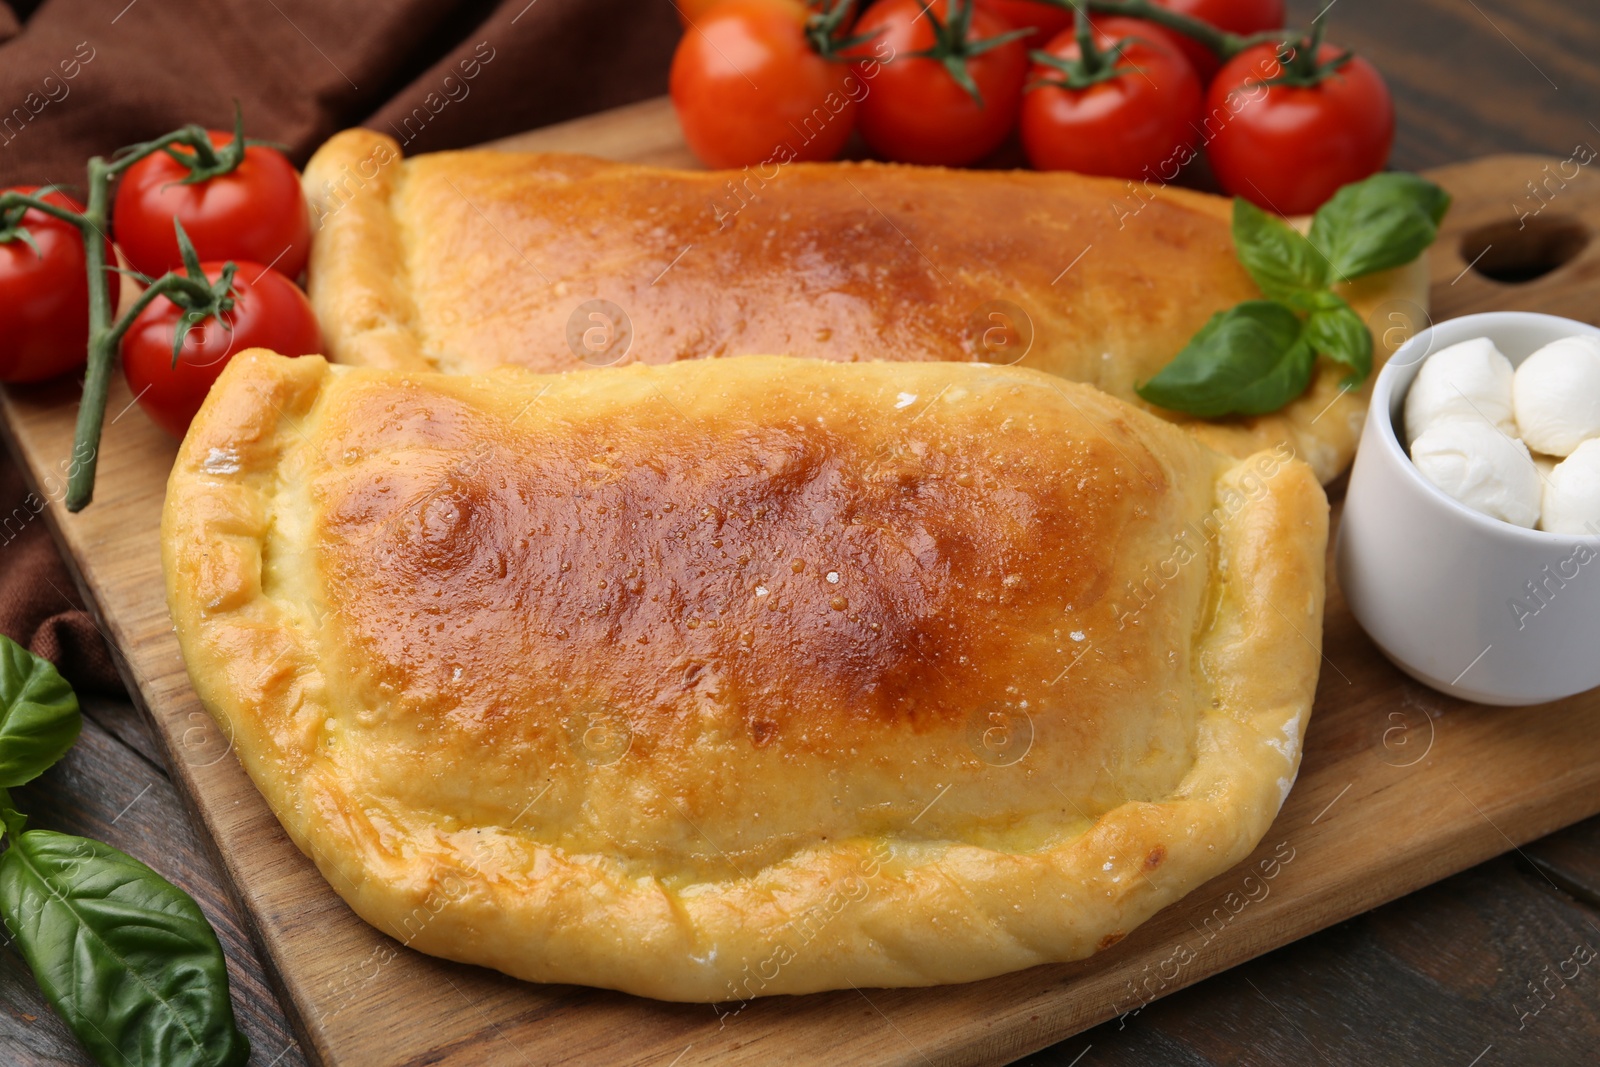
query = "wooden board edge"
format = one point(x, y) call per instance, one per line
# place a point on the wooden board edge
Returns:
point(648, 131)
point(1439, 863)
point(1556, 815)
point(176, 769)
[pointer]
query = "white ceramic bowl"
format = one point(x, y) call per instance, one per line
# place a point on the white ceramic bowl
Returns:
point(1472, 606)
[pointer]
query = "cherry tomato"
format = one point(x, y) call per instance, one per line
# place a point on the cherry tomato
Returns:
point(749, 88)
point(1145, 30)
point(915, 111)
point(255, 212)
point(44, 296)
point(690, 12)
point(1287, 148)
point(269, 311)
point(1243, 17)
point(1047, 20)
point(1138, 124)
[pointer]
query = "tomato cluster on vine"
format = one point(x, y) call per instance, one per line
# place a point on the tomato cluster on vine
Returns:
point(229, 220)
point(1132, 89)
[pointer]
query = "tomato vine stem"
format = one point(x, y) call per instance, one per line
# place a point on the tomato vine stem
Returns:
point(825, 32)
point(953, 44)
point(1093, 63)
point(1224, 44)
point(102, 353)
point(93, 224)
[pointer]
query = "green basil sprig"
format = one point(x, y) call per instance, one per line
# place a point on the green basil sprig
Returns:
point(1254, 358)
point(1377, 224)
point(124, 956)
point(39, 717)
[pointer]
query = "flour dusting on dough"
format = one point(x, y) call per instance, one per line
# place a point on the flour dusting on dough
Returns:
point(1289, 747)
point(221, 461)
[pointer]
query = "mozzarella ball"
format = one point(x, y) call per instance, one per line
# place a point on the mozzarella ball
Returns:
point(1556, 395)
point(1481, 467)
point(1572, 493)
point(1470, 380)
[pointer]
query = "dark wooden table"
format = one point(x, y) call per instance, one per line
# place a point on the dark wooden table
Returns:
point(1471, 972)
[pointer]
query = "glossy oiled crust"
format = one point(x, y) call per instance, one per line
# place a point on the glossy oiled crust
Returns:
point(749, 676)
point(464, 261)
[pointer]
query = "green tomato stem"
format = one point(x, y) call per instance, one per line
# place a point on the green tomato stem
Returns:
point(169, 286)
point(190, 137)
point(105, 335)
point(1226, 45)
point(1091, 57)
point(32, 201)
point(91, 224)
point(204, 154)
point(102, 341)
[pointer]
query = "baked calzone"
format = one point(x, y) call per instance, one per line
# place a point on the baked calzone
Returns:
point(465, 261)
point(730, 678)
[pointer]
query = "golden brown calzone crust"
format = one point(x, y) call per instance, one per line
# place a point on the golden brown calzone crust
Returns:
point(761, 675)
point(466, 261)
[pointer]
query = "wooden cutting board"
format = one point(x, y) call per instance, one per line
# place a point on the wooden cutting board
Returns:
point(1400, 785)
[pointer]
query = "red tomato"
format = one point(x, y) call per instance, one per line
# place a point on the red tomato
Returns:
point(44, 296)
point(749, 88)
point(1047, 20)
point(915, 111)
point(1145, 30)
point(1288, 148)
point(269, 311)
point(255, 212)
point(1138, 124)
point(691, 12)
point(1243, 17)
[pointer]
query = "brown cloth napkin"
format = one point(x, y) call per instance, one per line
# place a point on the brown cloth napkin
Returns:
point(85, 77)
point(79, 77)
point(39, 604)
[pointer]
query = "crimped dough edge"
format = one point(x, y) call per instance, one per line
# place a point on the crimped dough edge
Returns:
point(485, 897)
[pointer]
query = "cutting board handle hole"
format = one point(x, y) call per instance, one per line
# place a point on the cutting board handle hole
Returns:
point(1514, 252)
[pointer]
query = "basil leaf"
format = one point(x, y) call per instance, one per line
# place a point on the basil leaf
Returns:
point(1379, 223)
point(39, 717)
point(1248, 360)
point(11, 820)
point(125, 957)
point(1313, 302)
point(1280, 260)
point(1339, 334)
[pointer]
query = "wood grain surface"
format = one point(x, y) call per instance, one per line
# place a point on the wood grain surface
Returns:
point(115, 793)
point(1436, 977)
point(1399, 787)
